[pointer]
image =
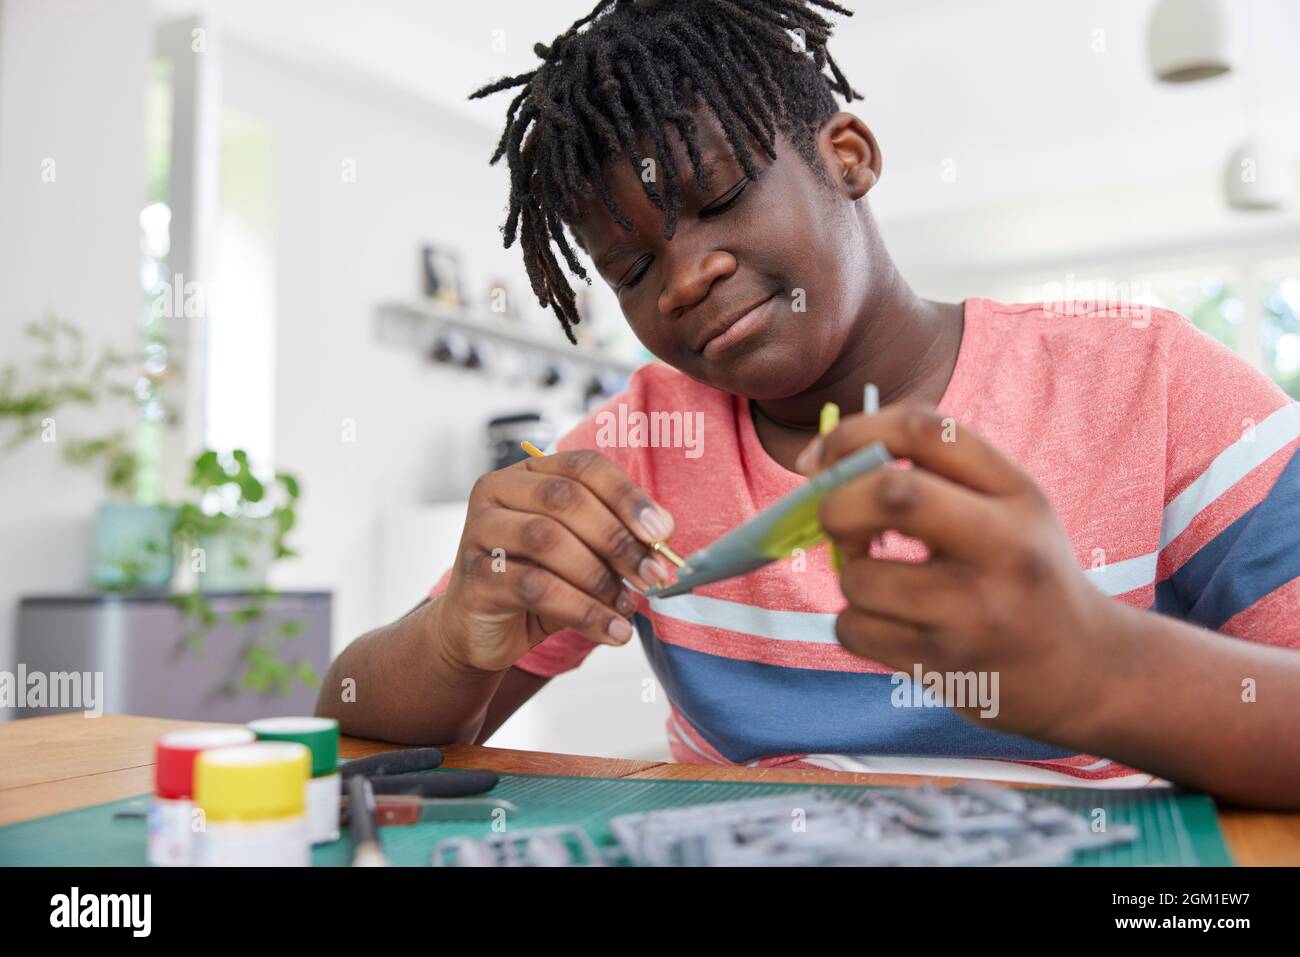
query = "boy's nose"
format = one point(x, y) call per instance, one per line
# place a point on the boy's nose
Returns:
point(690, 277)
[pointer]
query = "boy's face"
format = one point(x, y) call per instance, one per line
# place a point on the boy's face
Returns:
point(765, 281)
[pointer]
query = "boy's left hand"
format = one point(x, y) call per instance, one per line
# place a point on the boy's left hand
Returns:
point(1001, 590)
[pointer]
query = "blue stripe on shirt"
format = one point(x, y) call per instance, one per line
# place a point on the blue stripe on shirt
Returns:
point(1252, 557)
point(747, 710)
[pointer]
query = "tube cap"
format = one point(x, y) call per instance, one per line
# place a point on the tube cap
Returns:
point(267, 779)
point(175, 753)
point(320, 735)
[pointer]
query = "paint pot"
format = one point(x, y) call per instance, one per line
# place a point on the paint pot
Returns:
point(171, 810)
point(253, 800)
point(321, 737)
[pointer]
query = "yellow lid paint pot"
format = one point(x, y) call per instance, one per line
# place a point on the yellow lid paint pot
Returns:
point(253, 803)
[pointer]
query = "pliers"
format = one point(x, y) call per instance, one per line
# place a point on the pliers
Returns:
point(404, 796)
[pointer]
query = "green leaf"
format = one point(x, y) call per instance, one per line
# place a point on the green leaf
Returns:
point(208, 616)
point(189, 603)
point(251, 489)
point(285, 517)
point(307, 674)
point(290, 484)
point(204, 466)
point(243, 616)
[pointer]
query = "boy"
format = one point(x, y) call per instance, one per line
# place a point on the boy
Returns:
point(1088, 494)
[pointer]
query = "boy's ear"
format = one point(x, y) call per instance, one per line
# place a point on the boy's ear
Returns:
point(850, 152)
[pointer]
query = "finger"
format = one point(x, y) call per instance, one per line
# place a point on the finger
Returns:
point(542, 592)
point(588, 517)
point(949, 519)
point(648, 520)
point(924, 594)
point(877, 638)
point(934, 442)
point(542, 540)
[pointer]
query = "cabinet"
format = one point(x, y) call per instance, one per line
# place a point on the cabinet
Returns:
point(151, 663)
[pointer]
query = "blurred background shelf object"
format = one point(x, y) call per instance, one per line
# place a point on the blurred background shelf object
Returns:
point(419, 325)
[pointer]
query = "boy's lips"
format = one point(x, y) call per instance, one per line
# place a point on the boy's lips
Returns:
point(721, 335)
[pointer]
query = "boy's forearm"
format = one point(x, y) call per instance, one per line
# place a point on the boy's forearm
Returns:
point(397, 684)
point(1199, 709)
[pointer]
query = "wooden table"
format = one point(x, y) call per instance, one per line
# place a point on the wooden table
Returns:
point(64, 762)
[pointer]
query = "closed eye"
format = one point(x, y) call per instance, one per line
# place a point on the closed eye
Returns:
point(725, 201)
point(634, 274)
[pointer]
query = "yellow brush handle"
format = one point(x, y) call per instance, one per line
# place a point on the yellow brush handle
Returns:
point(830, 418)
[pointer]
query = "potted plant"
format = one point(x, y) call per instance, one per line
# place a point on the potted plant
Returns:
point(231, 531)
point(237, 526)
point(230, 535)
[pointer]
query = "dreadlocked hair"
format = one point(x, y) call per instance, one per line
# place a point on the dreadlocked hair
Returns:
point(640, 66)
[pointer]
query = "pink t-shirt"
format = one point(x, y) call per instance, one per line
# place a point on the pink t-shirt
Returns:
point(1170, 461)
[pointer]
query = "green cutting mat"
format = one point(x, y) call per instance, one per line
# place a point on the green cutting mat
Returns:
point(1175, 829)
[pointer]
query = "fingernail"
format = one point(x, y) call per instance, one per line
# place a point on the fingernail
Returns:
point(656, 524)
point(652, 572)
point(809, 457)
point(625, 603)
point(620, 630)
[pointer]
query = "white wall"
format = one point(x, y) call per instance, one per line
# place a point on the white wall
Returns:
point(1024, 97)
point(1118, 229)
point(72, 89)
point(421, 175)
point(342, 247)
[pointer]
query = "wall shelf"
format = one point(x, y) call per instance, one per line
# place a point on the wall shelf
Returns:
point(417, 325)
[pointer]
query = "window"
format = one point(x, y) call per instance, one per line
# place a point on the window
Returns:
point(1250, 305)
point(240, 395)
point(1280, 332)
point(1207, 297)
point(155, 244)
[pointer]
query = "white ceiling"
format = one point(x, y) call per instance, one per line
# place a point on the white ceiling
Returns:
point(1010, 90)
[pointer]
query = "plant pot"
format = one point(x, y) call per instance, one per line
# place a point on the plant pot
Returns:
point(238, 557)
point(133, 547)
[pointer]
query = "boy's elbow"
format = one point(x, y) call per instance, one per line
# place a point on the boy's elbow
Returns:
point(332, 695)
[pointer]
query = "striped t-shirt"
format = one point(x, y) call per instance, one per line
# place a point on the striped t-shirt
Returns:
point(1169, 460)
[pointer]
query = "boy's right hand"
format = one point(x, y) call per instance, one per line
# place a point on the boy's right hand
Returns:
point(546, 545)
